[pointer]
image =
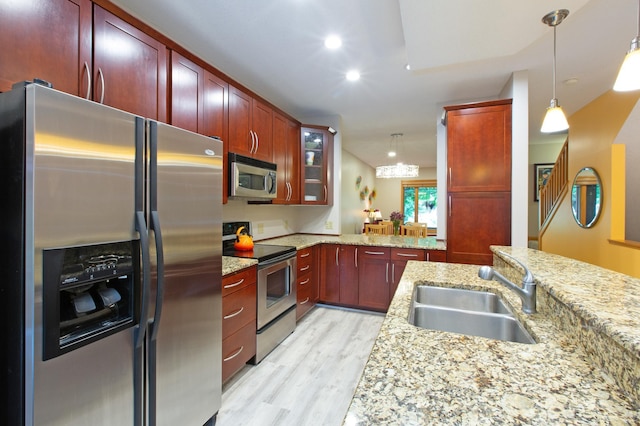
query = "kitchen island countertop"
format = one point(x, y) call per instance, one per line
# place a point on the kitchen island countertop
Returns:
point(416, 376)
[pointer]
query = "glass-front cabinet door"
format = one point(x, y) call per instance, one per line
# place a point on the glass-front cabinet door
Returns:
point(316, 160)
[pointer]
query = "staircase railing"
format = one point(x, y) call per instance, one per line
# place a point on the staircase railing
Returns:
point(553, 191)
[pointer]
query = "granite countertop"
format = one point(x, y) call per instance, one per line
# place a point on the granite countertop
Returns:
point(584, 368)
point(301, 241)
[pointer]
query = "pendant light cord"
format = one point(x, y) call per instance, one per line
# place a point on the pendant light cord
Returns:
point(554, 61)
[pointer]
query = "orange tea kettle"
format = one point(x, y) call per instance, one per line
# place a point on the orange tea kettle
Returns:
point(244, 241)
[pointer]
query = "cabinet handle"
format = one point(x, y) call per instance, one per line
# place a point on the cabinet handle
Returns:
point(289, 191)
point(374, 252)
point(427, 256)
point(305, 281)
point(393, 273)
point(230, 357)
point(101, 75)
point(355, 257)
point(86, 67)
point(304, 268)
point(449, 205)
point(450, 176)
point(235, 314)
point(407, 255)
point(253, 141)
point(326, 193)
point(386, 273)
point(337, 264)
point(307, 254)
point(257, 142)
point(234, 284)
point(304, 301)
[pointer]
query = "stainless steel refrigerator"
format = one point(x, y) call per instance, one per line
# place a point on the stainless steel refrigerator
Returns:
point(111, 265)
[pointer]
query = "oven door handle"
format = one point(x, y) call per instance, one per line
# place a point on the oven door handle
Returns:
point(286, 256)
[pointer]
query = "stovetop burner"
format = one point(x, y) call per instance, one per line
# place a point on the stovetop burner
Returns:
point(261, 252)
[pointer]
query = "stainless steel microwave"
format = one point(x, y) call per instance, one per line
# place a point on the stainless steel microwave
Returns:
point(251, 178)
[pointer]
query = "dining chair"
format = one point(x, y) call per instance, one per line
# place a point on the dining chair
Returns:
point(375, 229)
point(389, 225)
point(415, 231)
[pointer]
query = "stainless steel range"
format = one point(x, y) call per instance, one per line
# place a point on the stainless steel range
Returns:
point(276, 289)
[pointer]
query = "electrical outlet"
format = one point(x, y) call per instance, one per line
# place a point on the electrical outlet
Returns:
point(328, 225)
point(261, 228)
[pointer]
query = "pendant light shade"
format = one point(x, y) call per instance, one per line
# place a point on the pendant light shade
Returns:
point(554, 119)
point(629, 74)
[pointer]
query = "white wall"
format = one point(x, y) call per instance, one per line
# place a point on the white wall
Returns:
point(517, 88)
point(354, 170)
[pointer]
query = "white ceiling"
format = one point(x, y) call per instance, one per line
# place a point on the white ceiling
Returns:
point(459, 51)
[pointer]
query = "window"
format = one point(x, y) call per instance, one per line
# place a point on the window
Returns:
point(420, 202)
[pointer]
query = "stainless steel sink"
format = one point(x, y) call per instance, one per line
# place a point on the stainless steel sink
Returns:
point(469, 300)
point(474, 313)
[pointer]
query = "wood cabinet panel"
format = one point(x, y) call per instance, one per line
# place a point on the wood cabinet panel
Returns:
point(50, 40)
point(187, 88)
point(436, 255)
point(238, 280)
point(399, 259)
point(479, 147)
point(307, 281)
point(374, 279)
point(286, 155)
point(469, 233)
point(237, 350)
point(129, 67)
point(339, 274)
point(316, 162)
point(250, 126)
point(238, 310)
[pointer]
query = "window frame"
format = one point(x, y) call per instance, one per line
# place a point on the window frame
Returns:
point(415, 184)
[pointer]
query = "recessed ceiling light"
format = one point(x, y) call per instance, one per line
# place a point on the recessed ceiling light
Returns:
point(407, 67)
point(332, 42)
point(353, 75)
point(571, 81)
point(391, 154)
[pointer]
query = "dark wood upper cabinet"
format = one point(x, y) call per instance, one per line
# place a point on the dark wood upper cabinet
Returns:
point(129, 67)
point(50, 40)
point(187, 89)
point(250, 126)
point(479, 147)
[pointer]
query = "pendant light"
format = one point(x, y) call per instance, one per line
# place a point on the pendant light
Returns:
point(554, 119)
point(629, 74)
point(398, 170)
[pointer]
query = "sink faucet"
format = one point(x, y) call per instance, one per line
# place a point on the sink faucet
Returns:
point(528, 290)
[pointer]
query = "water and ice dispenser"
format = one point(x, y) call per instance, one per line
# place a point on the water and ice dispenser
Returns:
point(89, 292)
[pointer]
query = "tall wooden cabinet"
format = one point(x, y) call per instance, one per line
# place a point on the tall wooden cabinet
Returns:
point(479, 180)
point(286, 155)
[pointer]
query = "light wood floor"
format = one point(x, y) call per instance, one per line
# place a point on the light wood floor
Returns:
point(310, 378)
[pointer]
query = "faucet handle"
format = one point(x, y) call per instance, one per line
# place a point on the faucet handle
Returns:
point(528, 276)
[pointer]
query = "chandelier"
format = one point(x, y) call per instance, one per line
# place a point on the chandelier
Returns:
point(398, 170)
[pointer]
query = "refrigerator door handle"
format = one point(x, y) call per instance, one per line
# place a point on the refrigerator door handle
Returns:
point(155, 225)
point(141, 227)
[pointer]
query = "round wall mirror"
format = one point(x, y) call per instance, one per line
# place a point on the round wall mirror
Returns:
point(586, 197)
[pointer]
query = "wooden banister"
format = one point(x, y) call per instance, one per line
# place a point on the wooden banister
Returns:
point(553, 191)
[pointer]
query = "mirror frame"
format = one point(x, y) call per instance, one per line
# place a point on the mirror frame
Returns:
point(586, 175)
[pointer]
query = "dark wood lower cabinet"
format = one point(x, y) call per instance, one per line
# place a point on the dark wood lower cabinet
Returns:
point(339, 272)
point(374, 278)
point(477, 220)
point(307, 281)
point(238, 320)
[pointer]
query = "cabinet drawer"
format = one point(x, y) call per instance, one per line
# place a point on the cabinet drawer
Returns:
point(374, 252)
point(238, 280)
point(436, 255)
point(408, 254)
point(305, 288)
point(237, 349)
point(238, 309)
point(305, 260)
